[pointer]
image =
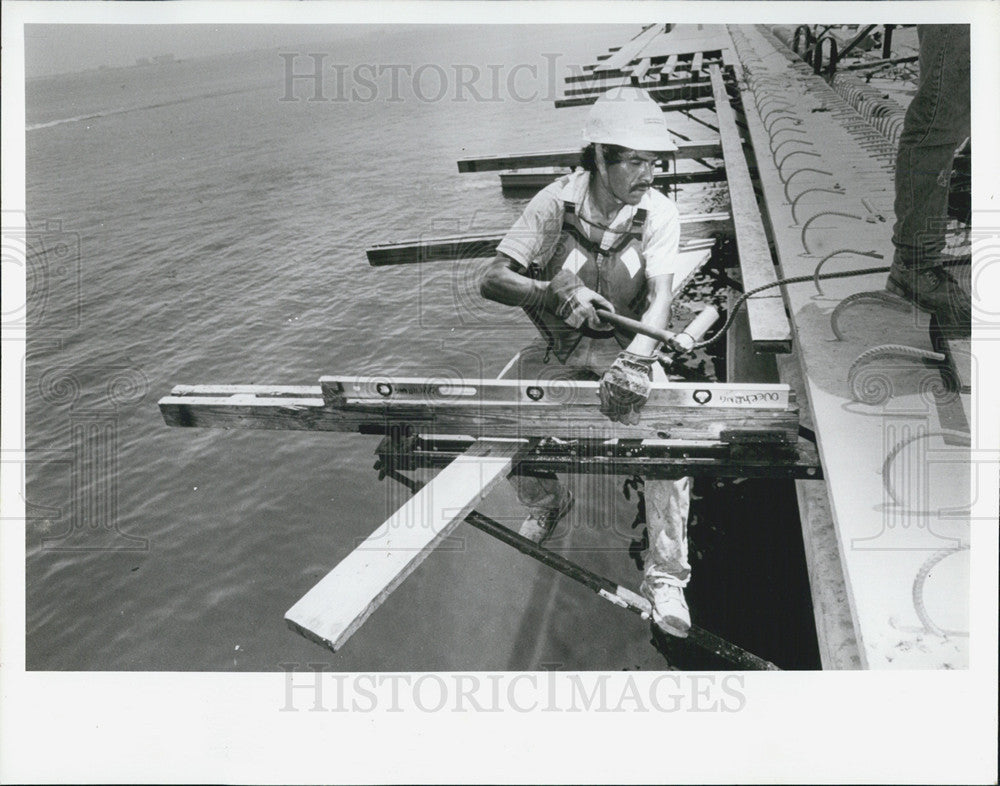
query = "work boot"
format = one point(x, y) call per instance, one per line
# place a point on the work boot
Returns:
point(541, 522)
point(932, 289)
point(670, 609)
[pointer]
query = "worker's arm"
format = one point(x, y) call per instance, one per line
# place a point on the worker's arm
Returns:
point(504, 281)
point(657, 313)
point(566, 296)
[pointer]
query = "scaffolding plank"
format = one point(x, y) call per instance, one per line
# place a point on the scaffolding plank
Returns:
point(640, 70)
point(343, 599)
point(566, 409)
point(650, 458)
point(522, 182)
point(769, 327)
point(631, 50)
point(710, 148)
point(343, 390)
point(696, 62)
point(670, 97)
point(457, 247)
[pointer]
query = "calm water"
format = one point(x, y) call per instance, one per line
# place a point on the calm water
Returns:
point(198, 229)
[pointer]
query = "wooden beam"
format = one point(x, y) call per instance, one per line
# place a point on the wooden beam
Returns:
point(696, 65)
point(667, 95)
point(630, 51)
point(535, 181)
point(697, 148)
point(660, 91)
point(455, 247)
point(337, 606)
point(345, 391)
point(563, 409)
point(742, 363)
point(769, 328)
point(640, 70)
point(659, 64)
point(658, 459)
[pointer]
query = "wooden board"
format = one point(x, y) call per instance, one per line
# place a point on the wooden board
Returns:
point(651, 458)
point(630, 51)
point(342, 391)
point(710, 148)
point(561, 409)
point(337, 606)
point(696, 62)
point(523, 182)
point(456, 247)
point(769, 327)
point(743, 364)
point(691, 89)
point(640, 70)
point(670, 97)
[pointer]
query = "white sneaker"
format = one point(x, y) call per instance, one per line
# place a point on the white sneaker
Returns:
point(542, 521)
point(670, 609)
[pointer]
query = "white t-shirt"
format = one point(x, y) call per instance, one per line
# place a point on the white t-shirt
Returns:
point(535, 234)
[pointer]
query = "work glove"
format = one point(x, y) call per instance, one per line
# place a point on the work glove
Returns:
point(625, 387)
point(573, 302)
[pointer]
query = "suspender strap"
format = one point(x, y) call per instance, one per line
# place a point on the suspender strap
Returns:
point(634, 231)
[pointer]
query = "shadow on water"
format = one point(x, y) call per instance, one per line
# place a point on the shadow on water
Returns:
point(749, 583)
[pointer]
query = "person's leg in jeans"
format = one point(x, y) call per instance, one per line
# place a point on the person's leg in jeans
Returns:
point(667, 570)
point(936, 125)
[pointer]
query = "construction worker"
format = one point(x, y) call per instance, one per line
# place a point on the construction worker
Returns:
point(935, 127)
point(603, 238)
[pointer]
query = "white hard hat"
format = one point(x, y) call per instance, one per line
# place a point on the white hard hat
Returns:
point(628, 117)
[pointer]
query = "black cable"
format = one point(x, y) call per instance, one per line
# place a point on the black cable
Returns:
point(781, 282)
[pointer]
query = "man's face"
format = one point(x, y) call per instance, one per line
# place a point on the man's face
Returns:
point(631, 177)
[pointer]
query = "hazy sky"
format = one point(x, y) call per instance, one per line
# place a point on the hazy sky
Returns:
point(57, 49)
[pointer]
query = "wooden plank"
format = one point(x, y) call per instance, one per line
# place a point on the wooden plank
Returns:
point(668, 69)
point(344, 391)
point(631, 50)
point(458, 247)
point(337, 606)
point(639, 71)
point(651, 458)
point(535, 181)
point(743, 364)
point(838, 647)
point(769, 327)
point(564, 409)
point(696, 65)
point(667, 96)
point(694, 86)
point(438, 249)
point(709, 148)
